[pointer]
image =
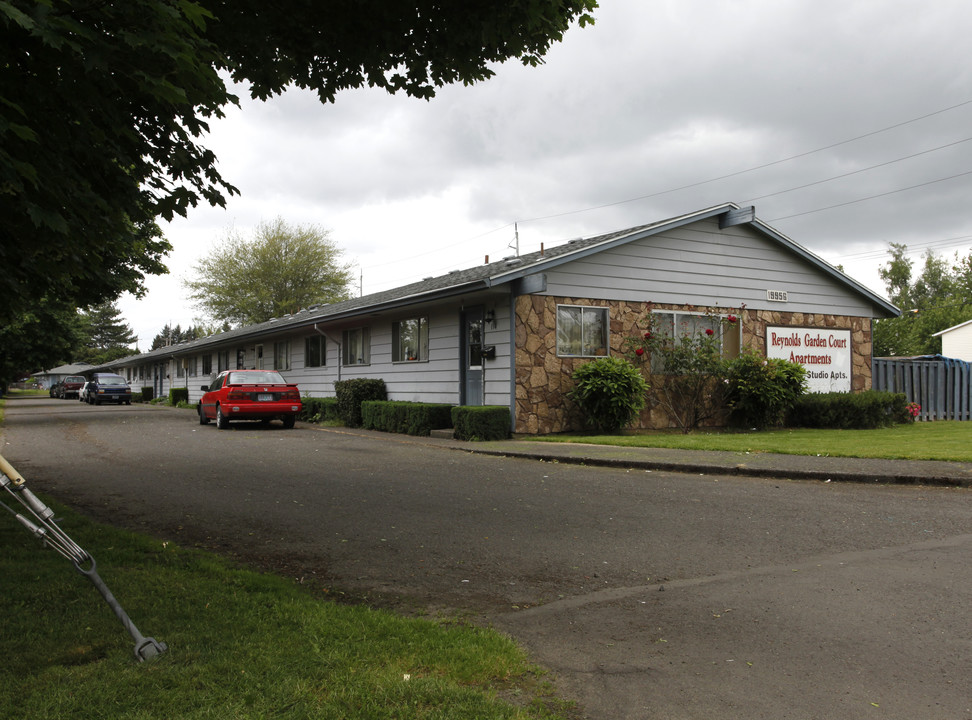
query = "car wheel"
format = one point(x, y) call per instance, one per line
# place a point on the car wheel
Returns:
point(203, 420)
point(289, 421)
point(222, 422)
point(97, 401)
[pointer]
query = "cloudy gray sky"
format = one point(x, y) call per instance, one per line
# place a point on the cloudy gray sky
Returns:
point(848, 123)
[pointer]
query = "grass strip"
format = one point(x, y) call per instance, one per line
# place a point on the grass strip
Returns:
point(241, 644)
point(942, 440)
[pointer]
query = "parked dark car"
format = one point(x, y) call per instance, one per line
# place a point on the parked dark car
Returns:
point(55, 390)
point(249, 395)
point(70, 386)
point(108, 387)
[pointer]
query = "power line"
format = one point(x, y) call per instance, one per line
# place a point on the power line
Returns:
point(754, 168)
point(858, 172)
point(737, 173)
point(872, 197)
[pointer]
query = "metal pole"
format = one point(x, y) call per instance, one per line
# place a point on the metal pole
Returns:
point(44, 528)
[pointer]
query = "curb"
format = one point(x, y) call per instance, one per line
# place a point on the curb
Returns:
point(736, 470)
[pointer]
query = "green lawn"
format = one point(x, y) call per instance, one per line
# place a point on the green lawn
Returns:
point(241, 644)
point(943, 440)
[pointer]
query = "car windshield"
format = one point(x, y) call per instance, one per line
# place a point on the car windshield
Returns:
point(74, 379)
point(256, 378)
point(112, 381)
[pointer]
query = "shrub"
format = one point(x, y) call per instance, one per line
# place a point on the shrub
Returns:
point(317, 409)
point(137, 397)
point(686, 366)
point(351, 393)
point(610, 392)
point(481, 422)
point(864, 410)
point(148, 392)
point(761, 391)
point(411, 418)
point(178, 395)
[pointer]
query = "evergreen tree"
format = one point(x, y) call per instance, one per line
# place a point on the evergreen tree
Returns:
point(107, 337)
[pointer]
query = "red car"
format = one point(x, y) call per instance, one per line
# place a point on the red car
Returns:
point(249, 395)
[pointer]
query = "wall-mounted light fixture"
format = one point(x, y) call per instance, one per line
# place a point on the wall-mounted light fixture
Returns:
point(490, 317)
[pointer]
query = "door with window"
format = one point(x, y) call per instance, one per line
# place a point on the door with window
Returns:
point(471, 352)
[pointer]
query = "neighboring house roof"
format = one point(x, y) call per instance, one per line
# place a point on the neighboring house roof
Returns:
point(72, 369)
point(954, 327)
point(506, 271)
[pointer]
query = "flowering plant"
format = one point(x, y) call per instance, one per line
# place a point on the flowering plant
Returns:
point(913, 409)
point(684, 357)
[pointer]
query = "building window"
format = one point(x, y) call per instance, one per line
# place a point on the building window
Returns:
point(207, 364)
point(582, 331)
point(240, 358)
point(356, 346)
point(222, 360)
point(684, 325)
point(180, 371)
point(258, 359)
point(190, 366)
point(410, 340)
point(281, 355)
point(315, 351)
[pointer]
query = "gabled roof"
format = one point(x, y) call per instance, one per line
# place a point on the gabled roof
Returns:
point(506, 271)
point(72, 369)
point(954, 327)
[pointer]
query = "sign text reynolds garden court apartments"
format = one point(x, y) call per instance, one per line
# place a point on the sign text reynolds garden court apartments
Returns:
point(825, 353)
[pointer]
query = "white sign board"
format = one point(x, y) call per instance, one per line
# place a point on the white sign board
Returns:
point(825, 353)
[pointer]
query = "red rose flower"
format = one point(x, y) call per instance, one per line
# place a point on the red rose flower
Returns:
point(709, 331)
point(640, 351)
point(648, 336)
point(731, 318)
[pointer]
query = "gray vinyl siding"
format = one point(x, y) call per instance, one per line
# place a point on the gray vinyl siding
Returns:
point(700, 264)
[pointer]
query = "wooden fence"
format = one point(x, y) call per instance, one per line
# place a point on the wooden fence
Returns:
point(939, 384)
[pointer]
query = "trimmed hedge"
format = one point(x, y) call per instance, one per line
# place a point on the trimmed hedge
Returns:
point(137, 397)
point(351, 393)
point(486, 422)
point(319, 409)
point(178, 395)
point(844, 411)
point(411, 418)
point(148, 392)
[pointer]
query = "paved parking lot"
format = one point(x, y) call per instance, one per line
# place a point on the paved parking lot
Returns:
point(648, 594)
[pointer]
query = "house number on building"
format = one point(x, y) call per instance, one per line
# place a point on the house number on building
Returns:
point(776, 295)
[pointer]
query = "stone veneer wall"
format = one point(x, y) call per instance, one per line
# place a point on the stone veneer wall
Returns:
point(542, 378)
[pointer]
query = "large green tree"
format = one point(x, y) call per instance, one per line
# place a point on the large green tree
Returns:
point(278, 271)
point(46, 336)
point(937, 298)
point(103, 106)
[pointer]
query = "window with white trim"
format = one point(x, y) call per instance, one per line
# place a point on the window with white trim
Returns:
point(678, 325)
point(410, 340)
point(582, 331)
point(356, 346)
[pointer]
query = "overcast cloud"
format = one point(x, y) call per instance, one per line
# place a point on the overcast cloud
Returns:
point(629, 121)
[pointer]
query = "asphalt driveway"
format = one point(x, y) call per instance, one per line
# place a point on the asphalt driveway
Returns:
point(648, 594)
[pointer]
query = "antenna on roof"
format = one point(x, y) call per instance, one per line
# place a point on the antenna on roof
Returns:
point(516, 240)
